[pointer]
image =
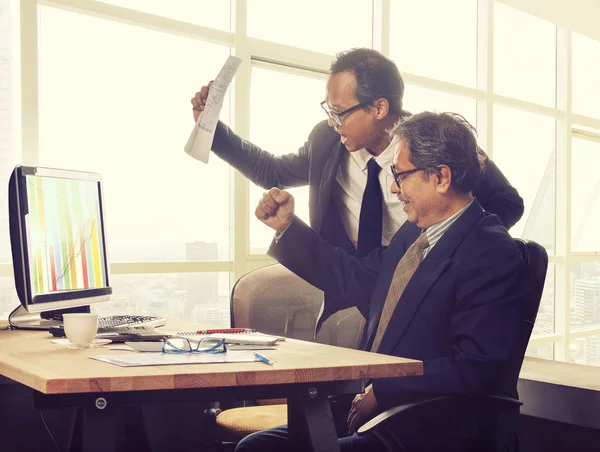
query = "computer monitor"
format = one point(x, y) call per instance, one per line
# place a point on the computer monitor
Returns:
point(58, 244)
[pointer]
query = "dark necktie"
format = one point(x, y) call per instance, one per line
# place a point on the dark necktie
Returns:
point(371, 212)
point(404, 271)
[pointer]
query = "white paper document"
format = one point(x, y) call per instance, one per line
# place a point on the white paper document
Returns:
point(200, 141)
point(168, 359)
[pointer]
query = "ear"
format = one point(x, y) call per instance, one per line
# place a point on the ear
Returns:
point(443, 178)
point(382, 108)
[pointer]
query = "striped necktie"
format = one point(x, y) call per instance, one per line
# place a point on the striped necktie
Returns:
point(404, 271)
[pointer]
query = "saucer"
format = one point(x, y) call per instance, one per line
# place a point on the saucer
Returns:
point(66, 343)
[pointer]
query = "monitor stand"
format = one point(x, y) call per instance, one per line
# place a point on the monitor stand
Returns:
point(20, 318)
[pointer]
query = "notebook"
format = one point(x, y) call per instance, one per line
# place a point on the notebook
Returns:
point(237, 338)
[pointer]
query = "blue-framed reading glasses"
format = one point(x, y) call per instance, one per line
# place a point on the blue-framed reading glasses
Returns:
point(184, 345)
point(337, 117)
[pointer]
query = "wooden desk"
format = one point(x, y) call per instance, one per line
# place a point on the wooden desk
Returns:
point(306, 373)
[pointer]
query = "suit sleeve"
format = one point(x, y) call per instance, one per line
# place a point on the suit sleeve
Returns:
point(261, 167)
point(484, 329)
point(347, 279)
point(497, 196)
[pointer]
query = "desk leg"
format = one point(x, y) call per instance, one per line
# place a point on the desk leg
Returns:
point(94, 430)
point(310, 423)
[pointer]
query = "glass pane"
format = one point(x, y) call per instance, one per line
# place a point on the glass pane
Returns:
point(544, 322)
point(326, 27)
point(8, 153)
point(442, 45)
point(585, 295)
point(585, 350)
point(545, 351)
point(585, 195)
point(202, 298)
point(129, 118)
point(209, 13)
point(585, 76)
point(524, 150)
point(417, 99)
point(524, 56)
point(8, 297)
point(302, 114)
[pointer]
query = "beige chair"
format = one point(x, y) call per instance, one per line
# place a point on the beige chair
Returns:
point(274, 300)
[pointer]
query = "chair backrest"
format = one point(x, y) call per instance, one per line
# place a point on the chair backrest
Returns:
point(274, 300)
point(536, 260)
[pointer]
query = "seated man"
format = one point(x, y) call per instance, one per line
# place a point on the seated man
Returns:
point(448, 290)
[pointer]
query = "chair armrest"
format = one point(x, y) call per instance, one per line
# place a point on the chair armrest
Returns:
point(493, 404)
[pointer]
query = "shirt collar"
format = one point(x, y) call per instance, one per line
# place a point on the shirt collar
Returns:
point(384, 160)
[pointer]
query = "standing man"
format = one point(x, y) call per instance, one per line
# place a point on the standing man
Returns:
point(346, 160)
point(449, 290)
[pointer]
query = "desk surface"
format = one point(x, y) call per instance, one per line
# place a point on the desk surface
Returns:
point(29, 358)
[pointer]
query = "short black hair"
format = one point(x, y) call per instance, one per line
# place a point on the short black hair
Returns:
point(435, 139)
point(376, 76)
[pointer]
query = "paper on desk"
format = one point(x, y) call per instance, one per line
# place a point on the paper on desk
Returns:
point(200, 141)
point(168, 359)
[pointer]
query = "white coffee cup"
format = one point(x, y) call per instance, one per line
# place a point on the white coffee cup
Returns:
point(80, 328)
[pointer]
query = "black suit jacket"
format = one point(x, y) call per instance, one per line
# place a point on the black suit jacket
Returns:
point(460, 312)
point(316, 165)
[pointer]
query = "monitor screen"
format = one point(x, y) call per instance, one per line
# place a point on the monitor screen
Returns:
point(57, 238)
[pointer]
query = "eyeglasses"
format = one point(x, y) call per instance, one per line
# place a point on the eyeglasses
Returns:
point(399, 176)
point(204, 345)
point(337, 117)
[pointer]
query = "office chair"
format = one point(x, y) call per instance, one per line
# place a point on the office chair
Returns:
point(275, 301)
point(497, 416)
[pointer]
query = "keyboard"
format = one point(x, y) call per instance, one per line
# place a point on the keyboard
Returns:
point(121, 324)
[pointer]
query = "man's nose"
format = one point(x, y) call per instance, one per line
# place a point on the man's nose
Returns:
point(331, 122)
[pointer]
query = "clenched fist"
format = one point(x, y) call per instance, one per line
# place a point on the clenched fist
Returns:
point(276, 209)
point(199, 100)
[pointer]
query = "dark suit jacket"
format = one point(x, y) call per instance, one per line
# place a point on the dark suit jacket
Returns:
point(460, 312)
point(316, 164)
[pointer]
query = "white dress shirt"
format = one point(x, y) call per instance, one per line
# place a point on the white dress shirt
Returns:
point(351, 181)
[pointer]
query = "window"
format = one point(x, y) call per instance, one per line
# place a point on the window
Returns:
point(281, 120)
point(585, 76)
point(326, 27)
point(418, 99)
point(202, 298)
point(524, 150)
point(524, 56)
point(209, 13)
point(104, 107)
point(435, 38)
point(585, 295)
point(585, 350)
point(585, 195)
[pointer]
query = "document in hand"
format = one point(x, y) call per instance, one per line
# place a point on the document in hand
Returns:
point(201, 138)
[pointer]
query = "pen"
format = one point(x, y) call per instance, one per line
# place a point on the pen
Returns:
point(226, 331)
point(263, 358)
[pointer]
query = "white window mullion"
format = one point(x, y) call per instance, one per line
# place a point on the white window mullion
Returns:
point(485, 74)
point(240, 96)
point(29, 82)
point(381, 26)
point(563, 194)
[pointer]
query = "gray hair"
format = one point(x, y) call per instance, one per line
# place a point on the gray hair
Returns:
point(435, 139)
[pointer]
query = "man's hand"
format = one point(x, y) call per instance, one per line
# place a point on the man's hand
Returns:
point(364, 407)
point(199, 100)
point(276, 209)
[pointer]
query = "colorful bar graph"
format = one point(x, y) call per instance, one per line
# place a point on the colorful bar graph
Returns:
point(65, 237)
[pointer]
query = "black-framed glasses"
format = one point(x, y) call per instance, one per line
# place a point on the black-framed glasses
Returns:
point(184, 345)
point(399, 176)
point(337, 117)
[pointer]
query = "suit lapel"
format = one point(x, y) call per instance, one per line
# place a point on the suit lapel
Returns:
point(432, 267)
point(329, 172)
